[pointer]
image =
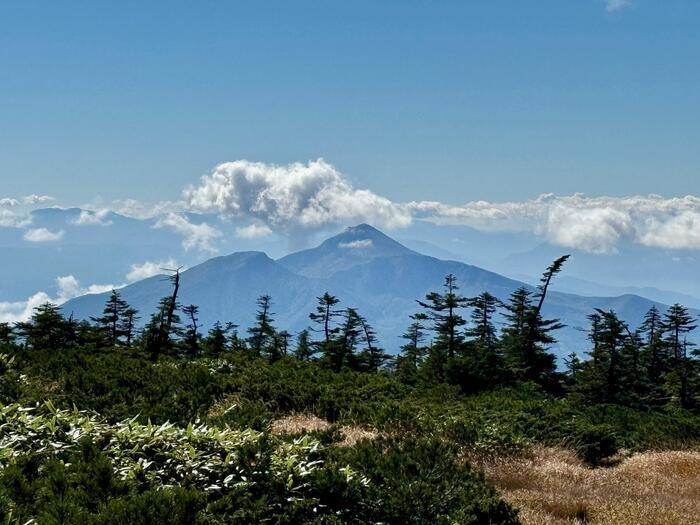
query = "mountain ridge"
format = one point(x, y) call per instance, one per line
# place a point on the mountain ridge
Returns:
point(367, 270)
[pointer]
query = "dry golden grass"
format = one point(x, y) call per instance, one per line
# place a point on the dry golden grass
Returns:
point(304, 423)
point(553, 487)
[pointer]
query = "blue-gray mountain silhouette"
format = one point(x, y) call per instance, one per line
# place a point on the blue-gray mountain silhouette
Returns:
point(367, 270)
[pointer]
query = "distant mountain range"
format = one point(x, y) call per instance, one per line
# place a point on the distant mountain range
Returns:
point(367, 270)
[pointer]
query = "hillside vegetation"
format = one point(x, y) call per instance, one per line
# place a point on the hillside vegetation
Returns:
point(102, 423)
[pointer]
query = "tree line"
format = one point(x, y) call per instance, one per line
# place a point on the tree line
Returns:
point(653, 365)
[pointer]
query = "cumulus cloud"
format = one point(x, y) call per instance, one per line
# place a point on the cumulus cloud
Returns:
point(43, 235)
point(200, 236)
point(355, 245)
point(148, 269)
point(291, 199)
point(9, 201)
point(617, 5)
point(67, 287)
point(253, 231)
point(92, 218)
point(593, 224)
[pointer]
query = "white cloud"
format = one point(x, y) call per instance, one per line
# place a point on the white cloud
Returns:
point(200, 236)
point(253, 231)
point(291, 199)
point(355, 245)
point(9, 201)
point(10, 219)
point(43, 235)
point(67, 287)
point(678, 231)
point(92, 218)
point(148, 269)
point(139, 210)
point(11, 312)
point(617, 5)
point(34, 199)
point(593, 224)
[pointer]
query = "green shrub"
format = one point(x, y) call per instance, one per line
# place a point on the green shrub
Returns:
point(595, 443)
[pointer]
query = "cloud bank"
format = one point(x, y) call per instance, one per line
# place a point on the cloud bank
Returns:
point(592, 224)
point(296, 199)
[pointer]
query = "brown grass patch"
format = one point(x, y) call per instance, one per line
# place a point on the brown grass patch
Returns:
point(298, 424)
point(304, 423)
point(553, 487)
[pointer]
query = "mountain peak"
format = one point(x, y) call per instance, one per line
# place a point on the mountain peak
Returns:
point(354, 245)
point(365, 238)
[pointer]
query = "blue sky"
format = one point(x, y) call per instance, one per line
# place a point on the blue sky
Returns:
point(448, 101)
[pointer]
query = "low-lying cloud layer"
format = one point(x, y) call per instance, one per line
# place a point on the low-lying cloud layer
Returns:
point(296, 199)
point(592, 224)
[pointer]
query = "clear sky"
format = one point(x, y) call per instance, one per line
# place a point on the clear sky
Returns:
point(451, 101)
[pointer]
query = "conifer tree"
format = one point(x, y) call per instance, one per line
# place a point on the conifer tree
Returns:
point(191, 336)
point(128, 325)
point(110, 323)
point(677, 324)
point(373, 357)
point(442, 311)
point(538, 330)
point(602, 378)
point(652, 332)
point(279, 346)
point(164, 324)
point(340, 352)
point(235, 343)
point(325, 315)
point(7, 336)
point(525, 339)
point(216, 339)
point(46, 329)
point(413, 351)
point(304, 349)
point(262, 333)
point(481, 363)
point(483, 331)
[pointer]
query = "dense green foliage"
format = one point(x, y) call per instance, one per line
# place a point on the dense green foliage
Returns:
point(103, 423)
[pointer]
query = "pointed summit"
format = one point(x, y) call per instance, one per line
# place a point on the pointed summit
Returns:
point(354, 245)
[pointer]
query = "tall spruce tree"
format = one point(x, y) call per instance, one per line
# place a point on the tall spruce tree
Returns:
point(324, 316)
point(442, 310)
point(413, 351)
point(127, 326)
point(372, 357)
point(111, 321)
point(304, 349)
point(677, 324)
point(216, 340)
point(47, 329)
point(191, 336)
point(525, 340)
point(262, 333)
